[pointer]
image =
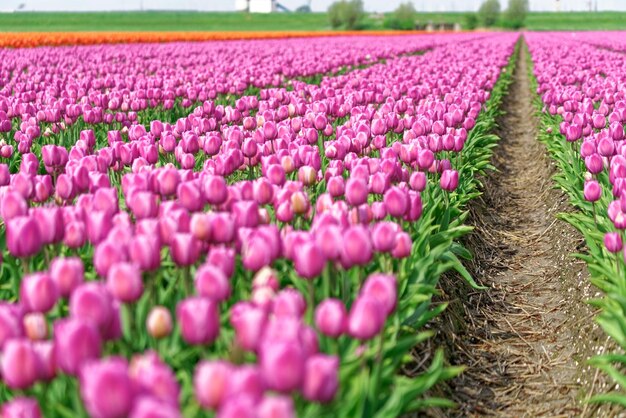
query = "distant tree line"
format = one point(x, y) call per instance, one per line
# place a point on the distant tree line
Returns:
point(349, 14)
point(489, 15)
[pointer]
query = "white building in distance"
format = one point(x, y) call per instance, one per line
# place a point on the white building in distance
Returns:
point(256, 6)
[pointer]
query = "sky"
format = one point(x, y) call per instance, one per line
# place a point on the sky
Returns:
point(317, 5)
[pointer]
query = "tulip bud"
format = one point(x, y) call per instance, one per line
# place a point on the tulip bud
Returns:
point(384, 236)
point(222, 227)
point(159, 322)
point(35, 326)
point(12, 205)
point(418, 181)
point(255, 254)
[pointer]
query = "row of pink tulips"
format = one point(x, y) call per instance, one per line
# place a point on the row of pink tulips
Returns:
point(582, 84)
point(265, 253)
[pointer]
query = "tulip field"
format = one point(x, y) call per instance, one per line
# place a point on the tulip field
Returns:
point(257, 228)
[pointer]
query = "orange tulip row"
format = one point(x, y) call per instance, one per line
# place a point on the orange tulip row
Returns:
point(34, 39)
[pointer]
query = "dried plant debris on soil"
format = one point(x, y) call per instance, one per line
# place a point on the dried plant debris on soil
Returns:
point(526, 339)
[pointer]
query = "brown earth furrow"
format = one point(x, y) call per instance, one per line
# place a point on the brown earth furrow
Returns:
point(526, 339)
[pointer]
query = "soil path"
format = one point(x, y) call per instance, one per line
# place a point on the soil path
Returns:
point(526, 339)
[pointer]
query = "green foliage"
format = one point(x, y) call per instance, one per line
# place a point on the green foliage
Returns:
point(515, 14)
point(347, 14)
point(470, 21)
point(489, 12)
point(403, 18)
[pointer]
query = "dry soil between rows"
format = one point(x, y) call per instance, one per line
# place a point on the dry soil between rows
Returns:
point(526, 339)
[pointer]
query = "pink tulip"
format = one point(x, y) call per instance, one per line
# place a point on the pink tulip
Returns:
point(403, 245)
point(210, 383)
point(223, 258)
point(145, 252)
point(153, 377)
point(93, 301)
point(76, 341)
point(249, 323)
point(13, 204)
point(331, 318)
point(185, 249)
point(321, 378)
point(214, 189)
point(199, 320)
point(357, 246)
point(396, 201)
point(613, 242)
point(276, 407)
point(212, 283)
point(20, 364)
point(23, 236)
point(592, 191)
point(449, 180)
point(356, 191)
point(108, 253)
point(147, 407)
point(11, 322)
point(108, 376)
point(282, 365)
point(366, 317)
point(21, 407)
point(309, 260)
point(47, 360)
point(67, 273)
point(246, 381)
point(38, 292)
point(124, 282)
point(384, 288)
